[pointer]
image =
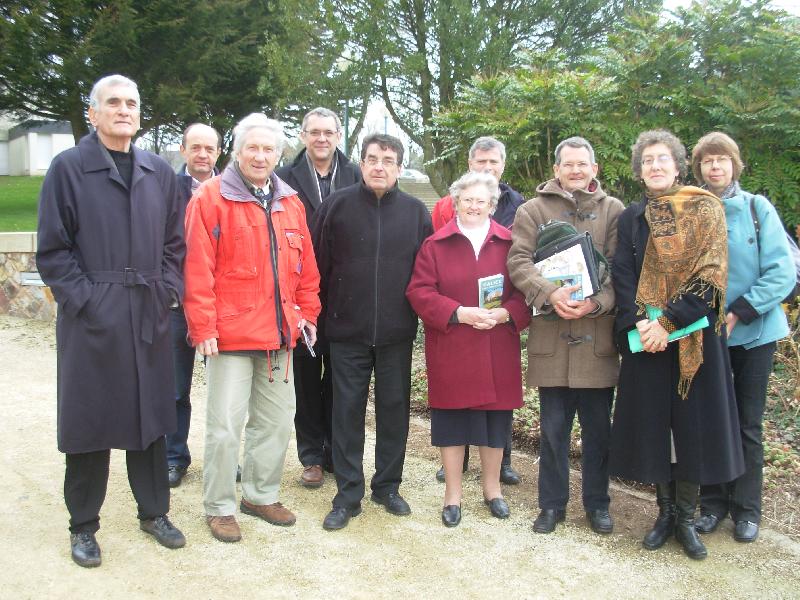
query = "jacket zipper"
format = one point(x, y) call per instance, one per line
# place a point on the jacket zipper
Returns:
point(276, 282)
point(377, 258)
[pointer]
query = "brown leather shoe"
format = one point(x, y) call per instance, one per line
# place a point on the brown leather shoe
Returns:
point(276, 514)
point(312, 476)
point(225, 529)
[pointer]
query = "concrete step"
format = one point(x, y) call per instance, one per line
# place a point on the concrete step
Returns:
point(423, 191)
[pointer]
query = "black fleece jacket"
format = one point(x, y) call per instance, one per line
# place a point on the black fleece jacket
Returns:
point(365, 249)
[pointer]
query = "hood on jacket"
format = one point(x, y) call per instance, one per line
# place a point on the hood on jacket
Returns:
point(233, 188)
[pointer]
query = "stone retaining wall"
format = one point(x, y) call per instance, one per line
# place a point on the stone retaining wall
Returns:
point(21, 291)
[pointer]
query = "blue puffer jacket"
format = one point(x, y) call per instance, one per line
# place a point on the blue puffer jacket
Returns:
point(757, 280)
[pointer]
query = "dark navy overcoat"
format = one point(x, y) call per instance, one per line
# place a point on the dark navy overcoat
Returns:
point(113, 259)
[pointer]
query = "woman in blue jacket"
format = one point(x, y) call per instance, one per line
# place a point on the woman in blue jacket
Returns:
point(760, 274)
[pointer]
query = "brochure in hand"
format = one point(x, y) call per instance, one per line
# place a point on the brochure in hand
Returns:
point(490, 291)
point(635, 340)
point(569, 281)
point(568, 258)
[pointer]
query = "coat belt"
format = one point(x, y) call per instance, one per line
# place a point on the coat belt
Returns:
point(131, 278)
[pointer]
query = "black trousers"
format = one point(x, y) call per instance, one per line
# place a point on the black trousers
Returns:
point(86, 480)
point(742, 497)
point(313, 387)
point(558, 408)
point(353, 365)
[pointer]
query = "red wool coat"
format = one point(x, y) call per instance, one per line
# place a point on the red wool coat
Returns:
point(467, 368)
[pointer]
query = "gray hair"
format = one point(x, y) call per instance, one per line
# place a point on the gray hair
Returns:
point(574, 142)
point(658, 136)
point(107, 81)
point(257, 121)
point(471, 178)
point(486, 143)
point(324, 113)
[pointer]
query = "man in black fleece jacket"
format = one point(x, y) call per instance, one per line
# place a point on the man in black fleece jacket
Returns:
point(366, 237)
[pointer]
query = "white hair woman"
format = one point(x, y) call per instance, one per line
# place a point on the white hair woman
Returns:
point(472, 317)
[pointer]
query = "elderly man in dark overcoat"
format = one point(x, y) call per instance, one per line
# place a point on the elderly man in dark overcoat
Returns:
point(110, 246)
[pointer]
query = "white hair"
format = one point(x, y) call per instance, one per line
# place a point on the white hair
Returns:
point(107, 81)
point(471, 178)
point(257, 121)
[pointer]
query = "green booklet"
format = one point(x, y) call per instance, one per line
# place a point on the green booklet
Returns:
point(635, 340)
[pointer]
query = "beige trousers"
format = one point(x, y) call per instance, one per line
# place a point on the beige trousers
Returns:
point(239, 385)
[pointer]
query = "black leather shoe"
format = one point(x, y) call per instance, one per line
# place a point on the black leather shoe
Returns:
point(85, 550)
point(339, 517)
point(165, 532)
point(451, 515)
point(508, 475)
point(547, 519)
point(600, 521)
point(175, 473)
point(745, 531)
point(393, 502)
point(707, 523)
point(440, 474)
point(498, 506)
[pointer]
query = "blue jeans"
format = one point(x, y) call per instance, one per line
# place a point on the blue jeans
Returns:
point(742, 497)
point(183, 358)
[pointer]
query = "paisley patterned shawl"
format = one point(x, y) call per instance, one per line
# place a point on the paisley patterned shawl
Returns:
point(687, 253)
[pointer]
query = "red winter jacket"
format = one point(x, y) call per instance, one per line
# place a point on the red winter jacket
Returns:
point(230, 289)
point(467, 367)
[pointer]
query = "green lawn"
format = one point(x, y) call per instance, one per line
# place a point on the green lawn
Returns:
point(19, 197)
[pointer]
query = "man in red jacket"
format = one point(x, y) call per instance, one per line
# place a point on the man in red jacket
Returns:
point(252, 289)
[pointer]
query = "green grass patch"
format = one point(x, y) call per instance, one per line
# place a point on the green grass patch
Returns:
point(19, 198)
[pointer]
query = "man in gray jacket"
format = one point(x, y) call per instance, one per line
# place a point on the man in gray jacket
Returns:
point(572, 357)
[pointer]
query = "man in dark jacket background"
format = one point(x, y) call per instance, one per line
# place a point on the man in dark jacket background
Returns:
point(200, 148)
point(318, 171)
point(366, 238)
point(110, 246)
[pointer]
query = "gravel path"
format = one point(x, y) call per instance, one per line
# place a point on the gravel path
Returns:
point(377, 555)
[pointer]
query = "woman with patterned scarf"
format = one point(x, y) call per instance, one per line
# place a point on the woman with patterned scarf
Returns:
point(675, 420)
point(760, 276)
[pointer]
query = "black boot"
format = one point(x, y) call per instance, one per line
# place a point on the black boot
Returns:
point(685, 533)
point(665, 522)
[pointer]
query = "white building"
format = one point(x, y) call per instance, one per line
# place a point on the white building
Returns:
point(28, 148)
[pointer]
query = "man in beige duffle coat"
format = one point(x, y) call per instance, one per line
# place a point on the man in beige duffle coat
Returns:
point(572, 357)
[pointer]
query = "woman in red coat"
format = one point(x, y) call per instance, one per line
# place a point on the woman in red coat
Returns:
point(472, 347)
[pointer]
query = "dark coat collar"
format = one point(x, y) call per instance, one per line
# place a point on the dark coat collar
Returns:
point(95, 157)
point(302, 170)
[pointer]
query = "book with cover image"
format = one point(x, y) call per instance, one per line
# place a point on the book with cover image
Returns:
point(569, 281)
point(490, 291)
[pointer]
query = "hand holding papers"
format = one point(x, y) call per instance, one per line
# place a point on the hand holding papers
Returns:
point(570, 260)
point(635, 339)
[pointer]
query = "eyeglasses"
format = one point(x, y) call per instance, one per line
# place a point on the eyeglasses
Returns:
point(318, 133)
point(663, 159)
point(373, 161)
point(716, 160)
point(474, 202)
